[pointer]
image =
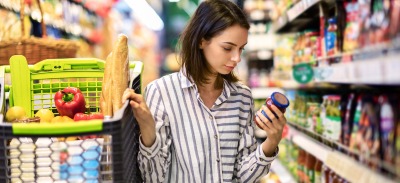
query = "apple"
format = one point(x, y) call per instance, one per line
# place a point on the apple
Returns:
point(45, 115)
point(15, 113)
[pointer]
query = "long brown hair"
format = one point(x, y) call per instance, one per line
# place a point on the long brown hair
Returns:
point(209, 19)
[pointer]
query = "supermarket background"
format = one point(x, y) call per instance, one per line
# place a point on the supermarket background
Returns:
point(337, 62)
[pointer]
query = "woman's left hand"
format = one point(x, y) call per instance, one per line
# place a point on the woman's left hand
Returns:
point(273, 126)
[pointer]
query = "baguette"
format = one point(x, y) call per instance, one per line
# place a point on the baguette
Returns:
point(105, 97)
point(119, 76)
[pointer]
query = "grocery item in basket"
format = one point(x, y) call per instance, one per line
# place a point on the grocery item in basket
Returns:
point(119, 71)
point(27, 120)
point(106, 97)
point(83, 116)
point(45, 115)
point(69, 101)
point(62, 119)
point(116, 77)
point(15, 113)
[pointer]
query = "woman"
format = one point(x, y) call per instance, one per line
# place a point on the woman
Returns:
point(197, 124)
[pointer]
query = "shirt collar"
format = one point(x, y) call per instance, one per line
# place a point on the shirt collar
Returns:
point(185, 82)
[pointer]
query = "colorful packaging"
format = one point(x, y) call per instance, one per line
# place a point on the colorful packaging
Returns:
point(387, 126)
point(364, 19)
point(314, 122)
point(331, 37)
point(394, 19)
point(355, 136)
point(348, 119)
point(332, 121)
point(368, 132)
point(352, 30)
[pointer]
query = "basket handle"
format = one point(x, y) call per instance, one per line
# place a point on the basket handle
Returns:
point(68, 64)
point(22, 15)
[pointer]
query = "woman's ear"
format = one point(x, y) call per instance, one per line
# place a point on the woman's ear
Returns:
point(202, 43)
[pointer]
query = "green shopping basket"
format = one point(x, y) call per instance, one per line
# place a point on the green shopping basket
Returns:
point(37, 152)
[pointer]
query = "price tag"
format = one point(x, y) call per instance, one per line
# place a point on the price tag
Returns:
point(303, 73)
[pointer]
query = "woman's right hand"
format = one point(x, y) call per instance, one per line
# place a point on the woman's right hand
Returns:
point(143, 116)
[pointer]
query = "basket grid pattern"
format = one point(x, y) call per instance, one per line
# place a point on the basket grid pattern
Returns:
point(43, 91)
point(50, 159)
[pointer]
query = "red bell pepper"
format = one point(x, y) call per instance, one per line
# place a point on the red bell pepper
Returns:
point(69, 101)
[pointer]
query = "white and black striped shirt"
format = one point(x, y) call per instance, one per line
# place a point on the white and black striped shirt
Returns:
point(198, 144)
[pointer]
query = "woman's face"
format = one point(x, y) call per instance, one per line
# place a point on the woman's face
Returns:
point(223, 51)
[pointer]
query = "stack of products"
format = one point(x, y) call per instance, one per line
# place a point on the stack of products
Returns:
point(366, 123)
point(355, 26)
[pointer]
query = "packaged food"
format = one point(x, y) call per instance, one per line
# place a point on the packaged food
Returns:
point(348, 119)
point(318, 171)
point(379, 22)
point(352, 29)
point(331, 117)
point(277, 99)
point(367, 139)
point(355, 136)
point(314, 122)
point(394, 19)
point(310, 168)
point(364, 19)
point(387, 127)
point(331, 37)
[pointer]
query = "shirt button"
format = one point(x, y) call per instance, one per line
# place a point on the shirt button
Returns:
point(148, 154)
point(211, 117)
point(217, 160)
point(216, 136)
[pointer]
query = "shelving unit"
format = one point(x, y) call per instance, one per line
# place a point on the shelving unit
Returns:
point(282, 172)
point(374, 68)
point(74, 29)
point(340, 163)
point(375, 65)
point(302, 15)
point(264, 92)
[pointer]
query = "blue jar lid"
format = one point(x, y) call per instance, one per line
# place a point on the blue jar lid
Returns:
point(280, 100)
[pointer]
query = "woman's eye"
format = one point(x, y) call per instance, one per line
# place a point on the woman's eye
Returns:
point(227, 49)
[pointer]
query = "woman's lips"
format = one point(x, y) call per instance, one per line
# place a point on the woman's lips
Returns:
point(230, 67)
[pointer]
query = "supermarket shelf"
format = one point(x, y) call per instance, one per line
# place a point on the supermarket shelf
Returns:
point(379, 66)
point(293, 85)
point(284, 175)
point(264, 92)
point(75, 29)
point(302, 14)
point(342, 164)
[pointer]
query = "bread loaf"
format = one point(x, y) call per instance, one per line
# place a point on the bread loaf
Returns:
point(105, 97)
point(119, 71)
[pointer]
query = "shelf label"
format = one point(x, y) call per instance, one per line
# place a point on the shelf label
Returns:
point(303, 73)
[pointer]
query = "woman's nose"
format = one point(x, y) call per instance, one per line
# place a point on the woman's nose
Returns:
point(236, 56)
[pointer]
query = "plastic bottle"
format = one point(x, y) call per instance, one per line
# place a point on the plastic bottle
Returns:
point(330, 38)
point(310, 168)
point(387, 124)
point(318, 172)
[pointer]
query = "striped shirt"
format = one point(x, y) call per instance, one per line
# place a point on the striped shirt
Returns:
point(198, 144)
